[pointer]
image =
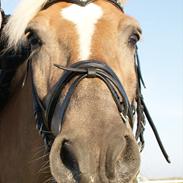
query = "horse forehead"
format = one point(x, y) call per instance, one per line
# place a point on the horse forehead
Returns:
point(84, 20)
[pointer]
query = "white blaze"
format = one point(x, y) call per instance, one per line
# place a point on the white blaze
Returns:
point(84, 19)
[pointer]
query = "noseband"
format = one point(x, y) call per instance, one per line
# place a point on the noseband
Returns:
point(73, 75)
point(89, 69)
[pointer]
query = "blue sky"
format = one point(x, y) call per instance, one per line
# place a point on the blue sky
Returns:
point(161, 54)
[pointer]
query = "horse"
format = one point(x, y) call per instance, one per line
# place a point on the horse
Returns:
point(78, 87)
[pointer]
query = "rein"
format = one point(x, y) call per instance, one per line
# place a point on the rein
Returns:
point(143, 113)
point(75, 73)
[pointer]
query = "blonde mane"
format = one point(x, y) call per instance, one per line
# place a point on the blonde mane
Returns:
point(23, 14)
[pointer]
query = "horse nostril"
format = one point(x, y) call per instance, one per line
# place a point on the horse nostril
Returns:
point(68, 157)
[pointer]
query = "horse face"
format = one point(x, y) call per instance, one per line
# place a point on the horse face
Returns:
point(93, 144)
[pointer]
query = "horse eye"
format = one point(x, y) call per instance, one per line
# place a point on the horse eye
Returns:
point(133, 39)
point(33, 40)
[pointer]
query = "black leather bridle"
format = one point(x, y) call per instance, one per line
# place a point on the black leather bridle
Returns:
point(73, 75)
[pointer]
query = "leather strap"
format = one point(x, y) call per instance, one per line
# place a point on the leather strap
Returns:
point(76, 73)
point(142, 113)
point(84, 3)
point(39, 115)
point(88, 69)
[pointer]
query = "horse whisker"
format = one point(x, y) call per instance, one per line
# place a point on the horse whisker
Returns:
point(51, 180)
point(44, 168)
point(42, 151)
point(41, 157)
point(45, 164)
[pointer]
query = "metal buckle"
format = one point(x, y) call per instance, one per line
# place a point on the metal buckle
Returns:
point(91, 72)
point(124, 118)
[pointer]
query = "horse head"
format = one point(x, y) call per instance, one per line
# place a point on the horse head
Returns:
point(93, 140)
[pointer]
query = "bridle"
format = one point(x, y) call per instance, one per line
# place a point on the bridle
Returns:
point(84, 3)
point(73, 75)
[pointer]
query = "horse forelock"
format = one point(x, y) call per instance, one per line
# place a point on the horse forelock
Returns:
point(23, 14)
